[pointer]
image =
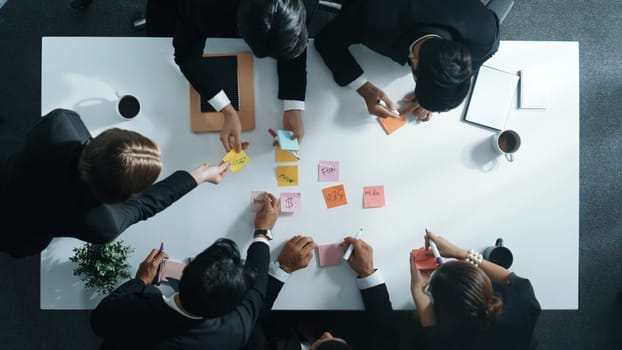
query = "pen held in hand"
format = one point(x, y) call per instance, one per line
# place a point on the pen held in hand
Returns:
point(160, 267)
point(350, 249)
point(396, 113)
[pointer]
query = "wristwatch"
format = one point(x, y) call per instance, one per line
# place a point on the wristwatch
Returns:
point(267, 233)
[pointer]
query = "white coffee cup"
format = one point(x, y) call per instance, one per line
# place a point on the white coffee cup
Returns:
point(506, 142)
point(128, 107)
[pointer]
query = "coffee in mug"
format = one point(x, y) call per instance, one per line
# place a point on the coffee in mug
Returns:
point(507, 142)
point(128, 107)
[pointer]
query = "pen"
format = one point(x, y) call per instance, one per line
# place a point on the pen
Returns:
point(348, 252)
point(293, 153)
point(384, 104)
point(437, 255)
point(159, 278)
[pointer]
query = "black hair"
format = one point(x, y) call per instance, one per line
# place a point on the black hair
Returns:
point(334, 345)
point(215, 282)
point(275, 28)
point(443, 74)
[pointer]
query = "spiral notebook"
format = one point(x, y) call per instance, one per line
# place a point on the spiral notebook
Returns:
point(491, 98)
point(533, 91)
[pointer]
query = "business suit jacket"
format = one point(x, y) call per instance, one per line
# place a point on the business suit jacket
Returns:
point(135, 316)
point(379, 333)
point(45, 197)
point(218, 18)
point(389, 27)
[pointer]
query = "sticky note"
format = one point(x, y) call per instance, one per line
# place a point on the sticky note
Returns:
point(283, 156)
point(422, 260)
point(390, 124)
point(172, 269)
point(329, 254)
point(373, 196)
point(335, 196)
point(257, 200)
point(328, 171)
point(284, 138)
point(290, 202)
point(287, 175)
point(238, 160)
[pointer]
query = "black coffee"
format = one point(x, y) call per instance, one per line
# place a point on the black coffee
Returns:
point(502, 257)
point(129, 106)
point(507, 142)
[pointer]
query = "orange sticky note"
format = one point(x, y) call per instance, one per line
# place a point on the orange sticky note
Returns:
point(335, 196)
point(423, 261)
point(283, 156)
point(287, 175)
point(390, 124)
point(237, 160)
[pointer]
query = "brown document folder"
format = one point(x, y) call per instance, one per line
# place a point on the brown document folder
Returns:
point(213, 121)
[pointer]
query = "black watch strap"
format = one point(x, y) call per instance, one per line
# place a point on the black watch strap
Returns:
point(267, 233)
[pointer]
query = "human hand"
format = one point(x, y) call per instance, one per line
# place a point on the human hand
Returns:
point(445, 248)
point(362, 258)
point(231, 130)
point(296, 253)
point(292, 121)
point(210, 173)
point(371, 94)
point(266, 217)
point(148, 269)
point(413, 107)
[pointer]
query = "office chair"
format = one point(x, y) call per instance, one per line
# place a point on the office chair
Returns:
point(501, 8)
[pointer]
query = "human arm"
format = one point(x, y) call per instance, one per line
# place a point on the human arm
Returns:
point(423, 304)
point(448, 250)
point(292, 90)
point(413, 107)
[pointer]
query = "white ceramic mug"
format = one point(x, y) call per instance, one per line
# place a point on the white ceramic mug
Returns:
point(128, 107)
point(506, 142)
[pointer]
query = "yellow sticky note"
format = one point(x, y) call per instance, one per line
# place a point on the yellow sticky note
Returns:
point(287, 175)
point(237, 160)
point(283, 156)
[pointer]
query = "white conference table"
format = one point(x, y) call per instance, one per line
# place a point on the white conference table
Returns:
point(442, 175)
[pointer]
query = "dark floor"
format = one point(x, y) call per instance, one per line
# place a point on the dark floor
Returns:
point(595, 24)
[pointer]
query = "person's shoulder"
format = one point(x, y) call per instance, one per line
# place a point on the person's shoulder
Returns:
point(60, 125)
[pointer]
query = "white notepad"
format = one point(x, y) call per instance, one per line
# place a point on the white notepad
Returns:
point(492, 97)
point(533, 91)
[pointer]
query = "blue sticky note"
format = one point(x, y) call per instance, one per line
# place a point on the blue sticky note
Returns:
point(283, 137)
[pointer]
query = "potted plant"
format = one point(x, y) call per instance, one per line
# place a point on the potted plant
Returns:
point(102, 266)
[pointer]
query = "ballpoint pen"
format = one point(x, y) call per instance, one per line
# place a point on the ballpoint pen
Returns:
point(437, 255)
point(293, 153)
point(161, 266)
point(392, 110)
point(348, 252)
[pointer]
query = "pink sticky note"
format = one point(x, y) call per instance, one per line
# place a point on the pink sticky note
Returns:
point(328, 170)
point(329, 254)
point(373, 196)
point(256, 200)
point(290, 202)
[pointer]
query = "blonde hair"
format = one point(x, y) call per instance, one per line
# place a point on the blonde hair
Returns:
point(118, 164)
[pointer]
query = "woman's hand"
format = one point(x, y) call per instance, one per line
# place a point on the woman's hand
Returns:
point(210, 173)
point(445, 248)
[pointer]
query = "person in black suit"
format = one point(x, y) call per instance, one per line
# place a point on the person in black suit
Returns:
point(473, 303)
point(271, 28)
point(63, 183)
point(295, 255)
point(444, 41)
point(219, 298)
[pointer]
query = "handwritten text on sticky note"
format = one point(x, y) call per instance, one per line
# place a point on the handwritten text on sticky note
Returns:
point(287, 175)
point(328, 171)
point(237, 160)
point(290, 202)
point(335, 196)
point(373, 196)
point(257, 200)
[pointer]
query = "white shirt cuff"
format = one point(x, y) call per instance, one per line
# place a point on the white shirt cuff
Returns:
point(277, 272)
point(261, 239)
point(358, 82)
point(288, 105)
point(219, 101)
point(370, 281)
